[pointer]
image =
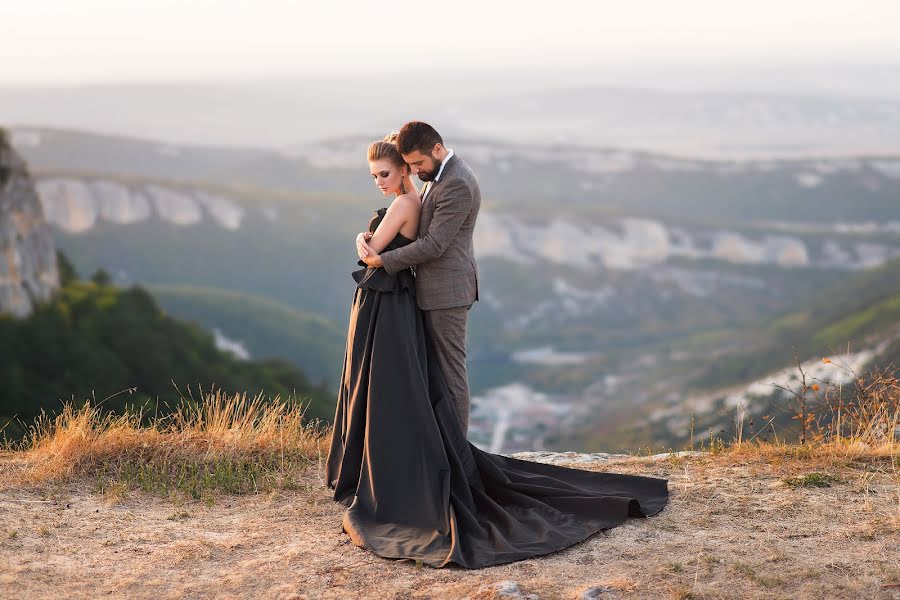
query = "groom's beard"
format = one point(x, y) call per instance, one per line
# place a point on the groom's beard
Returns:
point(430, 175)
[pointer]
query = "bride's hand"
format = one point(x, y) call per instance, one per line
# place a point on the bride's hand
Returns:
point(362, 249)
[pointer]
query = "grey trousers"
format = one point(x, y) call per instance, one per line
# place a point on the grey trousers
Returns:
point(447, 330)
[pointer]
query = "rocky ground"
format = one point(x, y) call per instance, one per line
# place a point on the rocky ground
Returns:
point(736, 528)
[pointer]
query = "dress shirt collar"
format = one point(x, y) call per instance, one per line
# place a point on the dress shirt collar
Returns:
point(444, 164)
point(429, 184)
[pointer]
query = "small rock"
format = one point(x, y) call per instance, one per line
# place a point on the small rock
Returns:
point(506, 589)
point(598, 592)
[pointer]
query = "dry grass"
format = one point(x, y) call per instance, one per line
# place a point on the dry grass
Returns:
point(865, 414)
point(82, 515)
point(231, 444)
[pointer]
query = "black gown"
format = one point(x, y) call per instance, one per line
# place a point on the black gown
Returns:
point(414, 486)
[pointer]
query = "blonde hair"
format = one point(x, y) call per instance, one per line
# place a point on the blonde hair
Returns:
point(386, 149)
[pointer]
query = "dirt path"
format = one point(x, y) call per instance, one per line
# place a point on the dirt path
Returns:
point(731, 531)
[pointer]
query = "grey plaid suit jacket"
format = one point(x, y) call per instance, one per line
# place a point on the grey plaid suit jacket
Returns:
point(444, 256)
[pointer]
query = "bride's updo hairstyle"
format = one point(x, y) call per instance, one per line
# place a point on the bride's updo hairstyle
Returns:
point(386, 149)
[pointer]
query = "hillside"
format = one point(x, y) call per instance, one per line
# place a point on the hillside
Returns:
point(64, 339)
point(854, 321)
point(844, 312)
point(262, 327)
point(97, 342)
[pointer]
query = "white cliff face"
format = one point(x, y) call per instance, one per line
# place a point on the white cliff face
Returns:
point(640, 242)
point(119, 204)
point(28, 269)
point(625, 244)
point(68, 204)
point(75, 206)
point(175, 206)
point(782, 251)
point(631, 244)
point(494, 236)
point(223, 211)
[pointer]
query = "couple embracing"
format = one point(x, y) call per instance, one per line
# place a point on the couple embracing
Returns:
point(399, 460)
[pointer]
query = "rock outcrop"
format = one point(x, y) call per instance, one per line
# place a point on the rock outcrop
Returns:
point(28, 269)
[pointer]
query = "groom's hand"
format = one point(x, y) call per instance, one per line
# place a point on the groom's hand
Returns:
point(373, 259)
point(362, 248)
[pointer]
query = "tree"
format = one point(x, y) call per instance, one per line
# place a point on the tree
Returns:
point(101, 277)
point(66, 269)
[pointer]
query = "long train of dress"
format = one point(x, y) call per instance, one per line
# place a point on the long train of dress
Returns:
point(414, 486)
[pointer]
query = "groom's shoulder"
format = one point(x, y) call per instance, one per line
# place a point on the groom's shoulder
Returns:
point(457, 167)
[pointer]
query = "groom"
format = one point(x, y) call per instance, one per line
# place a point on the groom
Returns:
point(443, 256)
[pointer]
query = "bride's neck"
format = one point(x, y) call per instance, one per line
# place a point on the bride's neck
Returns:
point(408, 184)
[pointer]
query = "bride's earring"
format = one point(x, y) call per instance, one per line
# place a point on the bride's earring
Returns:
point(403, 184)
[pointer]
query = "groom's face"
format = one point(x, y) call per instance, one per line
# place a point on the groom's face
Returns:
point(424, 165)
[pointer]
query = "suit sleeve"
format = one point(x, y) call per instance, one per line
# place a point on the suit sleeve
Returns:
point(452, 206)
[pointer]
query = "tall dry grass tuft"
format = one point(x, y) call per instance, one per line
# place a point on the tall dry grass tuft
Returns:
point(222, 442)
point(865, 414)
point(847, 421)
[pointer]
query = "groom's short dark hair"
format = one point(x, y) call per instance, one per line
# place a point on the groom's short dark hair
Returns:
point(417, 135)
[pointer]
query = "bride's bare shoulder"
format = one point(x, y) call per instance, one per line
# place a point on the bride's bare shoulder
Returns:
point(406, 202)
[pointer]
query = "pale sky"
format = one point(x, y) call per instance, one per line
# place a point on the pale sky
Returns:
point(111, 41)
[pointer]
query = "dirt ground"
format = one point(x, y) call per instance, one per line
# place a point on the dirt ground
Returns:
point(732, 530)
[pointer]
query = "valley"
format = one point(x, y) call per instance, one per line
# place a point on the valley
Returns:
point(622, 290)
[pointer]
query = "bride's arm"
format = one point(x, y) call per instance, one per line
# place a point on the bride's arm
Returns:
point(403, 209)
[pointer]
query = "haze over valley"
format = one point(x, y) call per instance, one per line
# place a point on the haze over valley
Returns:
point(608, 274)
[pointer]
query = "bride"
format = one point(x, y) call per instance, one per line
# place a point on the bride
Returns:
point(413, 485)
